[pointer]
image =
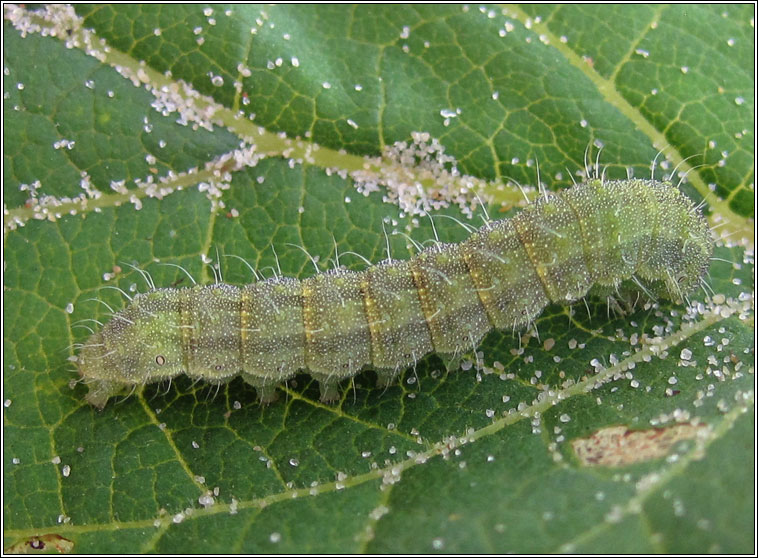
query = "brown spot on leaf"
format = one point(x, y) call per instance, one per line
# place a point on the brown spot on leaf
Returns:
point(41, 544)
point(617, 446)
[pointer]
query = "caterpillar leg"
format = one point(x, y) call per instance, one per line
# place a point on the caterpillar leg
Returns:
point(266, 390)
point(621, 298)
point(267, 394)
point(329, 388)
point(386, 377)
point(452, 363)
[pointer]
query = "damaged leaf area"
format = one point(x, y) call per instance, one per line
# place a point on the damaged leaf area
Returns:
point(44, 544)
point(154, 146)
point(618, 446)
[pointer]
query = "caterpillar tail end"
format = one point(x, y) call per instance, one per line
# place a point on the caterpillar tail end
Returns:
point(102, 390)
point(99, 381)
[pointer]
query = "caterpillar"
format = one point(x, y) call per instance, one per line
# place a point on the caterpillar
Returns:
point(598, 237)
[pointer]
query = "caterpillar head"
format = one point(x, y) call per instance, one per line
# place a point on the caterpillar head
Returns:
point(681, 247)
point(687, 271)
point(141, 344)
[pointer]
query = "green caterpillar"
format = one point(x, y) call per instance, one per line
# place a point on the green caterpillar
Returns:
point(598, 236)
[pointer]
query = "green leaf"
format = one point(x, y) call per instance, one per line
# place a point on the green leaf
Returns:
point(119, 123)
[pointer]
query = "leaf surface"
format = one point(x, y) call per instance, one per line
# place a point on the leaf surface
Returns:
point(121, 128)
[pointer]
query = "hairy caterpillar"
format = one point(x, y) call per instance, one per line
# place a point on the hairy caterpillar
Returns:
point(598, 236)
